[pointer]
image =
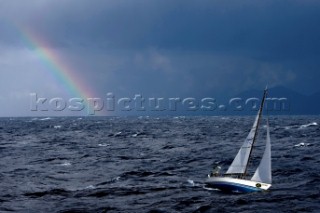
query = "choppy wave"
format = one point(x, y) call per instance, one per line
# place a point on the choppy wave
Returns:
point(148, 164)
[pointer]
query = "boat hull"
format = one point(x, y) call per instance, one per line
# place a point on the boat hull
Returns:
point(229, 184)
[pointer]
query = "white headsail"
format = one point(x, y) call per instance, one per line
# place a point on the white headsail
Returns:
point(263, 172)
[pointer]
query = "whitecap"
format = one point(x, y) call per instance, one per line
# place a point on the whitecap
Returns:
point(307, 125)
point(191, 182)
point(90, 187)
point(45, 119)
point(66, 164)
point(57, 127)
point(210, 189)
point(118, 133)
point(103, 144)
point(115, 179)
point(302, 144)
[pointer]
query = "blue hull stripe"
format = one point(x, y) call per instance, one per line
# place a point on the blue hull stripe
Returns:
point(233, 187)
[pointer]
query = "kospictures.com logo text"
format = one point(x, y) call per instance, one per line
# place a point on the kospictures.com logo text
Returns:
point(139, 103)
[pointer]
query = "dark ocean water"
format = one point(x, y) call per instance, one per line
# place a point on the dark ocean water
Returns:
point(151, 164)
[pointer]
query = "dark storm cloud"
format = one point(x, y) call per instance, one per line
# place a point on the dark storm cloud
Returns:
point(271, 29)
point(166, 47)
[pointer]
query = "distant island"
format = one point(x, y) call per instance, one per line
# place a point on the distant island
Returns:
point(296, 104)
point(282, 101)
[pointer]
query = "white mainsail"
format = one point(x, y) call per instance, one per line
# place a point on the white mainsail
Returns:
point(263, 172)
point(240, 162)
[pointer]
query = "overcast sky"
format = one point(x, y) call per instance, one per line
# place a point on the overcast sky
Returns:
point(159, 47)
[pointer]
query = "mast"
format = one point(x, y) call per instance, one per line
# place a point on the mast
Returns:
point(256, 130)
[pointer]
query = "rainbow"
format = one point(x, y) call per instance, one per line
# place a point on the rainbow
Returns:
point(61, 71)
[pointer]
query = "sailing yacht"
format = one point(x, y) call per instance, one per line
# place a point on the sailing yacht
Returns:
point(236, 178)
